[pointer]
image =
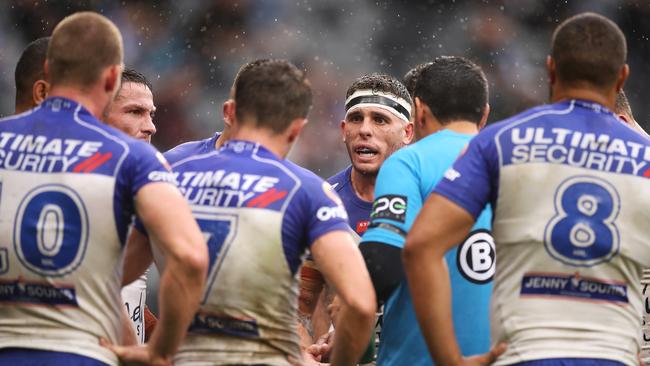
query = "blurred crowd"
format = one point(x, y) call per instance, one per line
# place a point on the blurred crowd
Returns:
point(191, 50)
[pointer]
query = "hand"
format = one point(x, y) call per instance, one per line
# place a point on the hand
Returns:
point(322, 348)
point(486, 358)
point(135, 355)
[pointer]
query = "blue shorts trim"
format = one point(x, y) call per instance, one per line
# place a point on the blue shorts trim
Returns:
point(570, 362)
point(37, 357)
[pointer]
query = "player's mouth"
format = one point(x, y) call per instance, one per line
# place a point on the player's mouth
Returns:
point(366, 152)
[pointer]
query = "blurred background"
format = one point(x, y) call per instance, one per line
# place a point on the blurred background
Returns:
point(191, 50)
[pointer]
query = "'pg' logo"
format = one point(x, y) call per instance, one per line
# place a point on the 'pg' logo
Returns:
point(476, 257)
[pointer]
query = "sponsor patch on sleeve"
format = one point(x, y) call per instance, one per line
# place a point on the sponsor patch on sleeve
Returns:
point(391, 207)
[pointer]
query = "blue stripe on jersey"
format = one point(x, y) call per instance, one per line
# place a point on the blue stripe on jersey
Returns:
point(35, 357)
point(570, 362)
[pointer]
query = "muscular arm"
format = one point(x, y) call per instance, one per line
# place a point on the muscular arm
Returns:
point(170, 225)
point(341, 263)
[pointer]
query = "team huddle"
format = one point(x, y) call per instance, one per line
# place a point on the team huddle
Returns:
point(443, 242)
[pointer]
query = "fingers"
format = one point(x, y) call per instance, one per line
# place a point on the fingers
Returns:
point(115, 349)
point(294, 361)
point(498, 350)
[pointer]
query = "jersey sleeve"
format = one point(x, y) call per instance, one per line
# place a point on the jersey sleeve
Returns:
point(316, 211)
point(147, 165)
point(471, 182)
point(144, 165)
point(397, 200)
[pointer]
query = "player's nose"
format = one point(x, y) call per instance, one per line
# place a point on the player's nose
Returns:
point(366, 127)
point(148, 127)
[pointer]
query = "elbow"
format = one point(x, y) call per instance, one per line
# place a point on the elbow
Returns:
point(194, 263)
point(410, 252)
point(364, 305)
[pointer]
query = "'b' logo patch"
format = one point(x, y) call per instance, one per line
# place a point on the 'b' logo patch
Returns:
point(476, 257)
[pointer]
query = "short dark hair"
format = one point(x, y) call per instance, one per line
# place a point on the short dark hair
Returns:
point(29, 69)
point(82, 46)
point(411, 78)
point(379, 83)
point(272, 94)
point(588, 48)
point(130, 75)
point(454, 88)
point(622, 105)
point(244, 67)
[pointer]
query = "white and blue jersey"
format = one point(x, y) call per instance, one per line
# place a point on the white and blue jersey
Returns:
point(569, 186)
point(67, 190)
point(192, 148)
point(404, 182)
point(259, 214)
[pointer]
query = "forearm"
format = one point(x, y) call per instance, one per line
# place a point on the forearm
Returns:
point(137, 258)
point(352, 335)
point(428, 280)
point(320, 319)
point(181, 286)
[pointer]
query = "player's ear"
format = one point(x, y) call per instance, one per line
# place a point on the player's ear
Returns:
point(295, 128)
point(342, 127)
point(625, 119)
point(408, 133)
point(484, 118)
point(40, 90)
point(419, 112)
point(228, 112)
point(622, 76)
point(112, 77)
point(550, 68)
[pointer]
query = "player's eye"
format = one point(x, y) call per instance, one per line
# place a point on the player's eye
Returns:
point(380, 120)
point(136, 111)
point(355, 118)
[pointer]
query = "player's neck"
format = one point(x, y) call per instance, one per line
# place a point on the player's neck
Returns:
point(272, 142)
point(465, 127)
point(566, 93)
point(363, 185)
point(87, 100)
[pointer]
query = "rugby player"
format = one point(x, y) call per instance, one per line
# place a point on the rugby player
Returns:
point(376, 124)
point(31, 86)
point(132, 112)
point(568, 184)
point(31, 90)
point(60, 169)
point(451, 104)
